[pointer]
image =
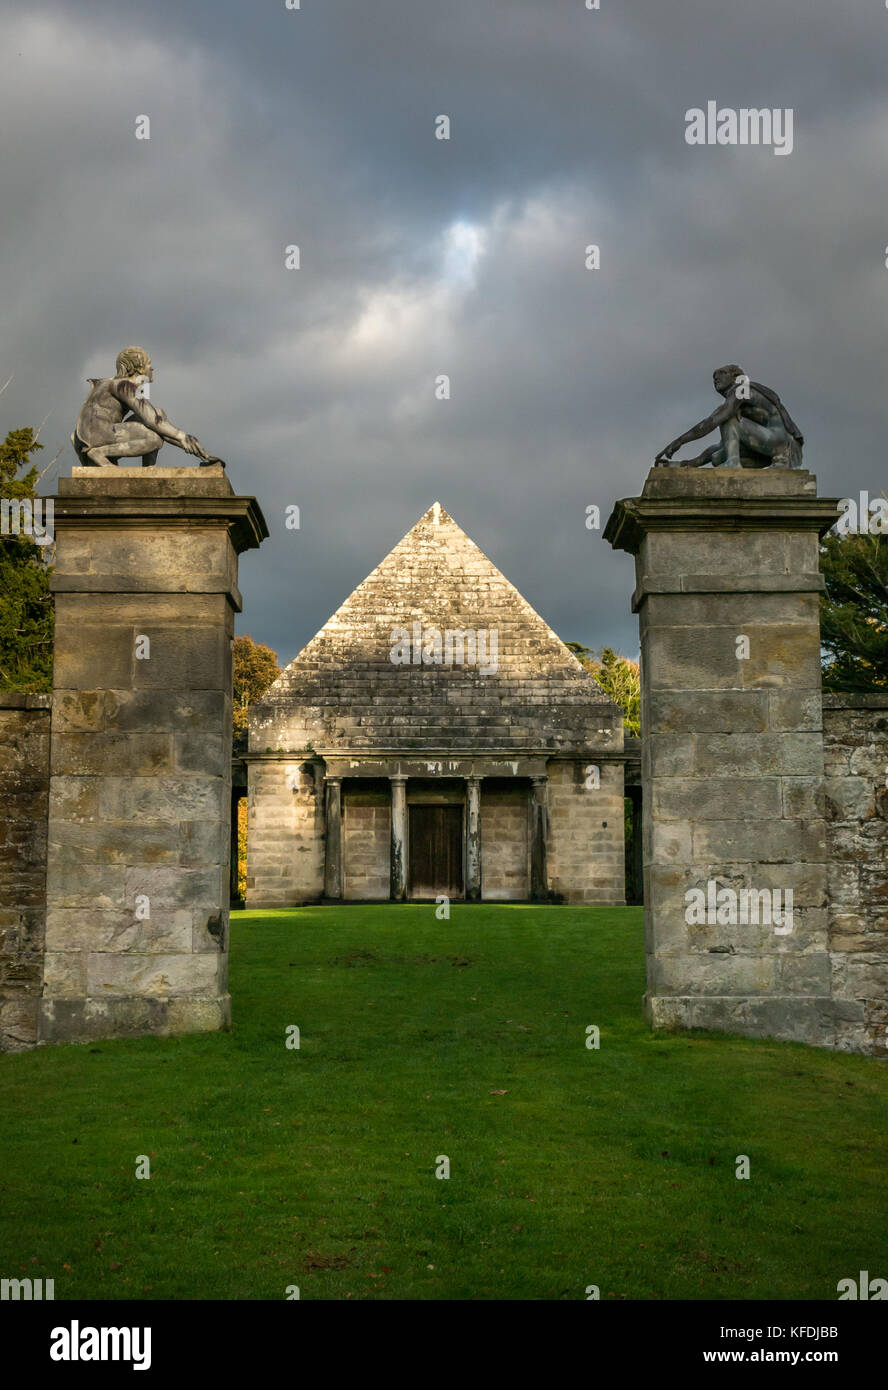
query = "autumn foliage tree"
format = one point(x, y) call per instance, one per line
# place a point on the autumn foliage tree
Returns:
point(618, 676)
point(255, 669)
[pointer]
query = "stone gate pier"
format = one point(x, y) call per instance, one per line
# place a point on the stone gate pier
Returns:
point(727, 592)
point(137, 885)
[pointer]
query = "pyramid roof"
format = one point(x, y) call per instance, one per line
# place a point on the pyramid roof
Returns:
point(364, 678)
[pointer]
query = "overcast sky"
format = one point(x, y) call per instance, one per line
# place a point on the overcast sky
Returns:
point(316, 127)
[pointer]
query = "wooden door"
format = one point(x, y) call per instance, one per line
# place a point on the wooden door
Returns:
point(436, 851)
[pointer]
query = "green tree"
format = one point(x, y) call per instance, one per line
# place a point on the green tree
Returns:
point(255, 669)
point(854, 612)
point(26, 608)
point(618, 676)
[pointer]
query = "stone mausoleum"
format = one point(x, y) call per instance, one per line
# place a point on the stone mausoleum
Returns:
point(435, 737)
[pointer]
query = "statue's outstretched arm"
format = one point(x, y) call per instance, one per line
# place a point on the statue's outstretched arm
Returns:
point(128, 394)
point(712, 422)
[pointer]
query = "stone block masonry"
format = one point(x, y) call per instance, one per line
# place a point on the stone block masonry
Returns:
point(373, 733)
point(366, 845)
point(586, 831)
point(855, 731)
point(137, 883)
point(727, 591)
point(285, 862)
point(24, 798)
point(505, 814)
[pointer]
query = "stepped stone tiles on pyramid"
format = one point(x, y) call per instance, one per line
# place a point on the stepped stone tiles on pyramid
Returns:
point(524, 689)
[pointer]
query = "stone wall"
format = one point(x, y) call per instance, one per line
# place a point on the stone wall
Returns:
point(505, 842)
point(24, 799)
point(366, 843)
point(285, 833)
point(855, 729)
point(586, 832)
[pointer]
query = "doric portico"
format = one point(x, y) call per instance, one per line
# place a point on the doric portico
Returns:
point(435, 739)
point(430, 804)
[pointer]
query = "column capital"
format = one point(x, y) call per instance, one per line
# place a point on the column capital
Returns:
point(720, 499)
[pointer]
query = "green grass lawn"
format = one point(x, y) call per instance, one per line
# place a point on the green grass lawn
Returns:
point(568, 1166)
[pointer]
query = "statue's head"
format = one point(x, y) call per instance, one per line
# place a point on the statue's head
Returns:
point(723, 378)
point(134, 361)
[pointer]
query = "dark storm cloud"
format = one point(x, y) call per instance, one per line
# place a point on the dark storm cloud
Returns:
point(421, 257)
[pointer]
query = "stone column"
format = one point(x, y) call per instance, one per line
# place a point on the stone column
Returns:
point(539, 830)
point(399, 838)
point(145, 586)
point(333, 841)
point(728, 588)
point(473, 839)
